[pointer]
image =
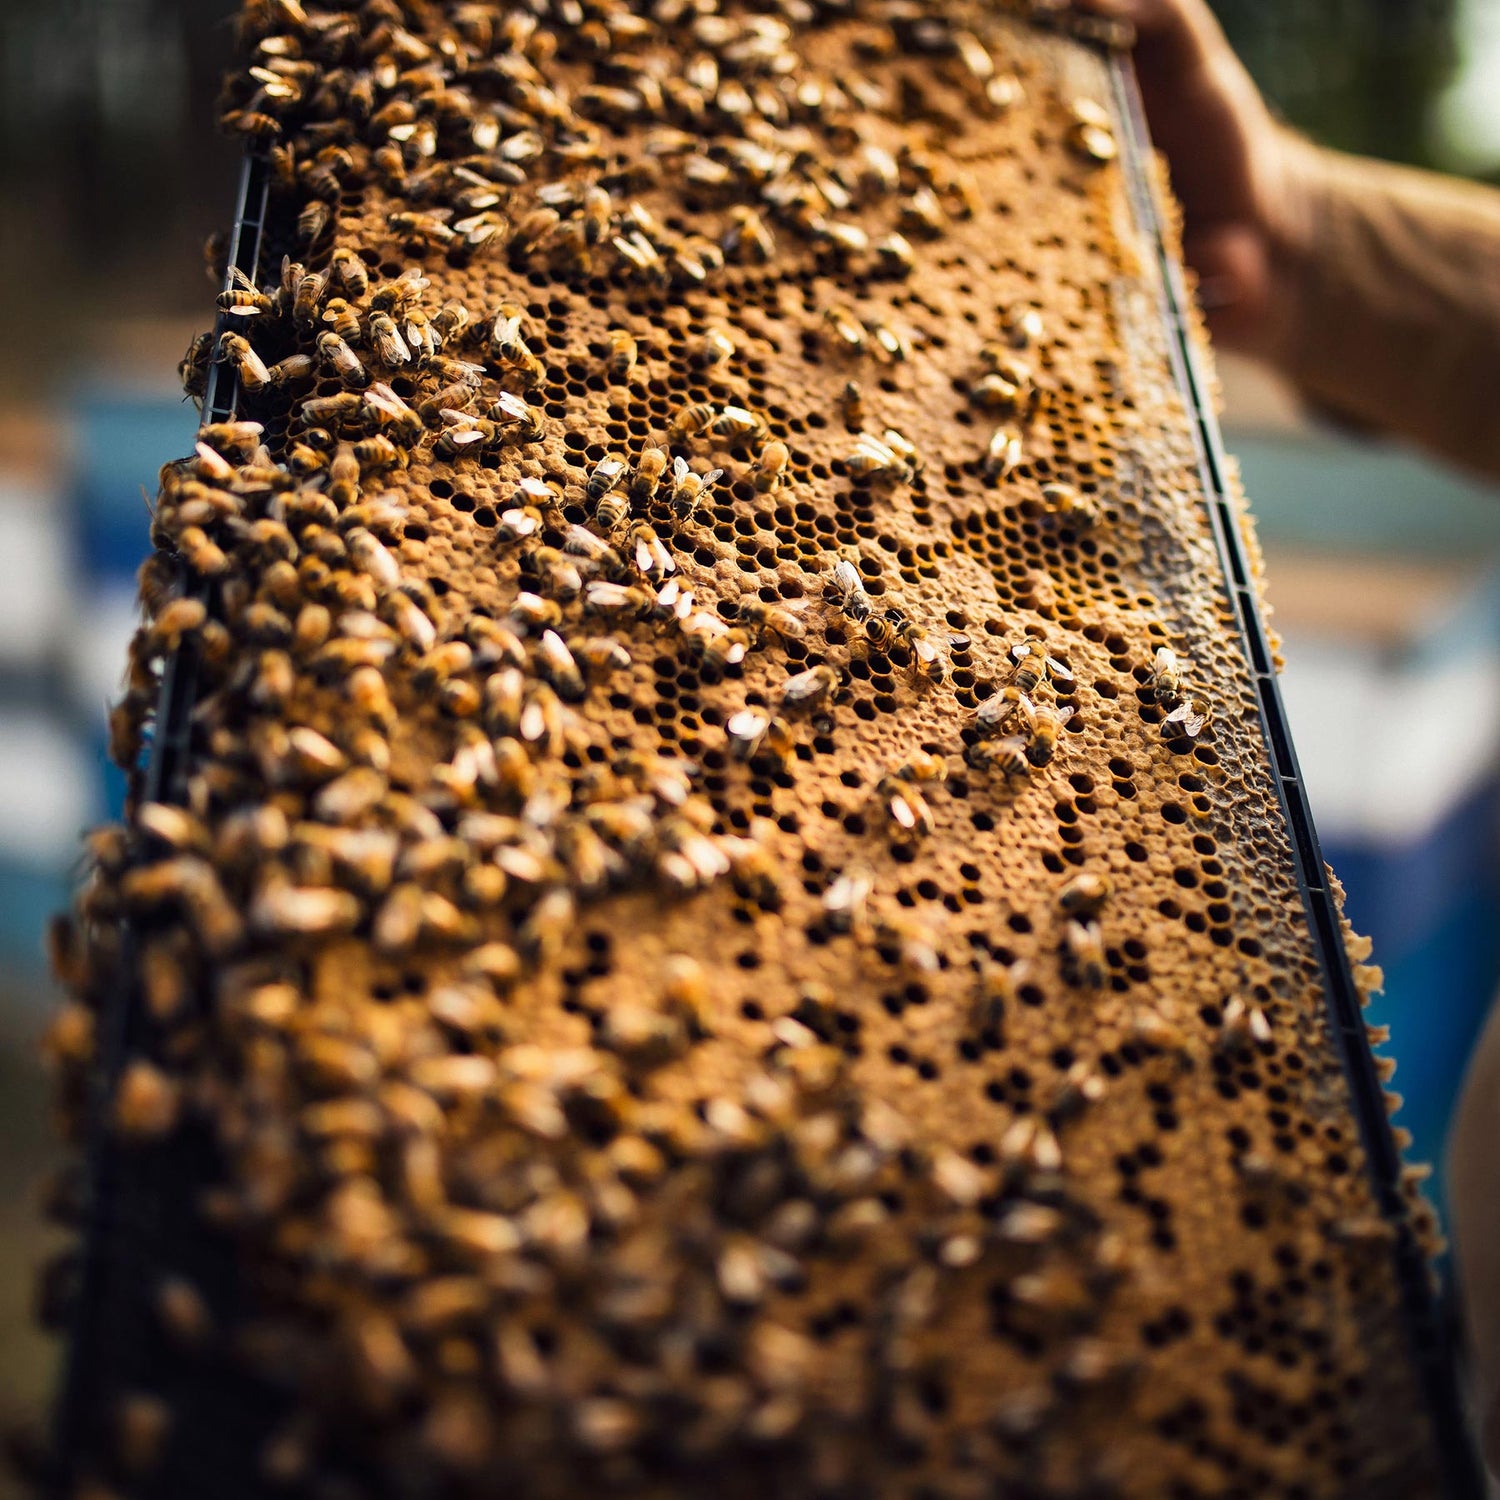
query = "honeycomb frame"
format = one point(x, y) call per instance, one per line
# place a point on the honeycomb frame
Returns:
point(1058, 1409)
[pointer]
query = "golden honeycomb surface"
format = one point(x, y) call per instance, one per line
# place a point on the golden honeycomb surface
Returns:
point(623, 1073)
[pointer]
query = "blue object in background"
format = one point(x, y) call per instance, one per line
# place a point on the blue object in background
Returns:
point(122, 440)
point(54, 703)
point(1430, 909)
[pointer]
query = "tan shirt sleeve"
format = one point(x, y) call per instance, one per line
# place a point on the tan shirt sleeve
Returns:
point(1398, 316)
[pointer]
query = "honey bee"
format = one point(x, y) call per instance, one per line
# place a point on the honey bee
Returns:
point(451, 320)
point(514, 353)
point(1022, 325)
point(387, 410)
point(996, 988)
point(597, 211)
point(922, 214)
point(880, 630)
point(557, 664)
point(779, 621)
point(712, 349)
point(602, 655)
point(1096, 143)
point(465, 433)
point(1084, 894)
point(514, 410)
point(845, 900)
point(533, 613)
point(1002, 455)
point(343, 476)
point(613, 512)
point(424, 228)
point(560, 575)
point(895, 255)
point(337, 354)
point(343, 319)
point(146, 1102)
point(747, 238)
point(1188, 720)
point(736, 422)
point(649, 468)
point(690, 490)
point(193, 369)
point(909, 944)
point(351, 272)
point(386, 342)
point(294, 367)
point(1044, 724)
point(993, 392)
point(847, 331)
point(890, 344)
point(746, 731)
point(605, 598)
point(923, 766)
point(771, 466)
point(607, 474)
point(235, 349)
point(1083, 949)
point(234, 439)
point(852, 405)
point(622, 353)
point(377, 452)
point(905, 806)
point(1166, 677)
point(252, 123)
point(368, 695)
point(401, 293)
point(308, 289)
point(875, 460)
point(581, 542)
point(1069, 506)
point(848, 589)
point(319, 412)
point(997, 711)
point(1006, 755)
point(711, 641)
point(649, 553)
point(1243, 1025)
point(456, 397)
point(242, 298)
point(808, 689)
point(203, 556)
point(1027, 666)
point(929, 660)
point(693, 420)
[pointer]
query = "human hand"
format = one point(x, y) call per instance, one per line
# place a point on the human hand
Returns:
point(1241, 177)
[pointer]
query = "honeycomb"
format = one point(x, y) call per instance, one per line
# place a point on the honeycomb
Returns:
point(723, 918)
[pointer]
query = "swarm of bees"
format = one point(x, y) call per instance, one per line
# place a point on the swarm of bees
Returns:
point(644, 956)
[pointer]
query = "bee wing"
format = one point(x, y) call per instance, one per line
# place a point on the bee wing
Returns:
point(383, 398)
point(512, 407)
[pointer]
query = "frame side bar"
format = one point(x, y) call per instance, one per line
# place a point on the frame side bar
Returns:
point(96, 1329)
point(1429, 1339)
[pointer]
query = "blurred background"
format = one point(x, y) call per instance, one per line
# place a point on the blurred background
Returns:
point(1383, 567)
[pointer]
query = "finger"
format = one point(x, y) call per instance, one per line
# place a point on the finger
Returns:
point(1177, 36)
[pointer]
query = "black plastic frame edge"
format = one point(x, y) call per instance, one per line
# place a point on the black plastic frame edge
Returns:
point(162, 779)
point(1426, 1327)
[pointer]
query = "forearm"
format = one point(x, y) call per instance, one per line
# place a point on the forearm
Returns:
point(1391, 313)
